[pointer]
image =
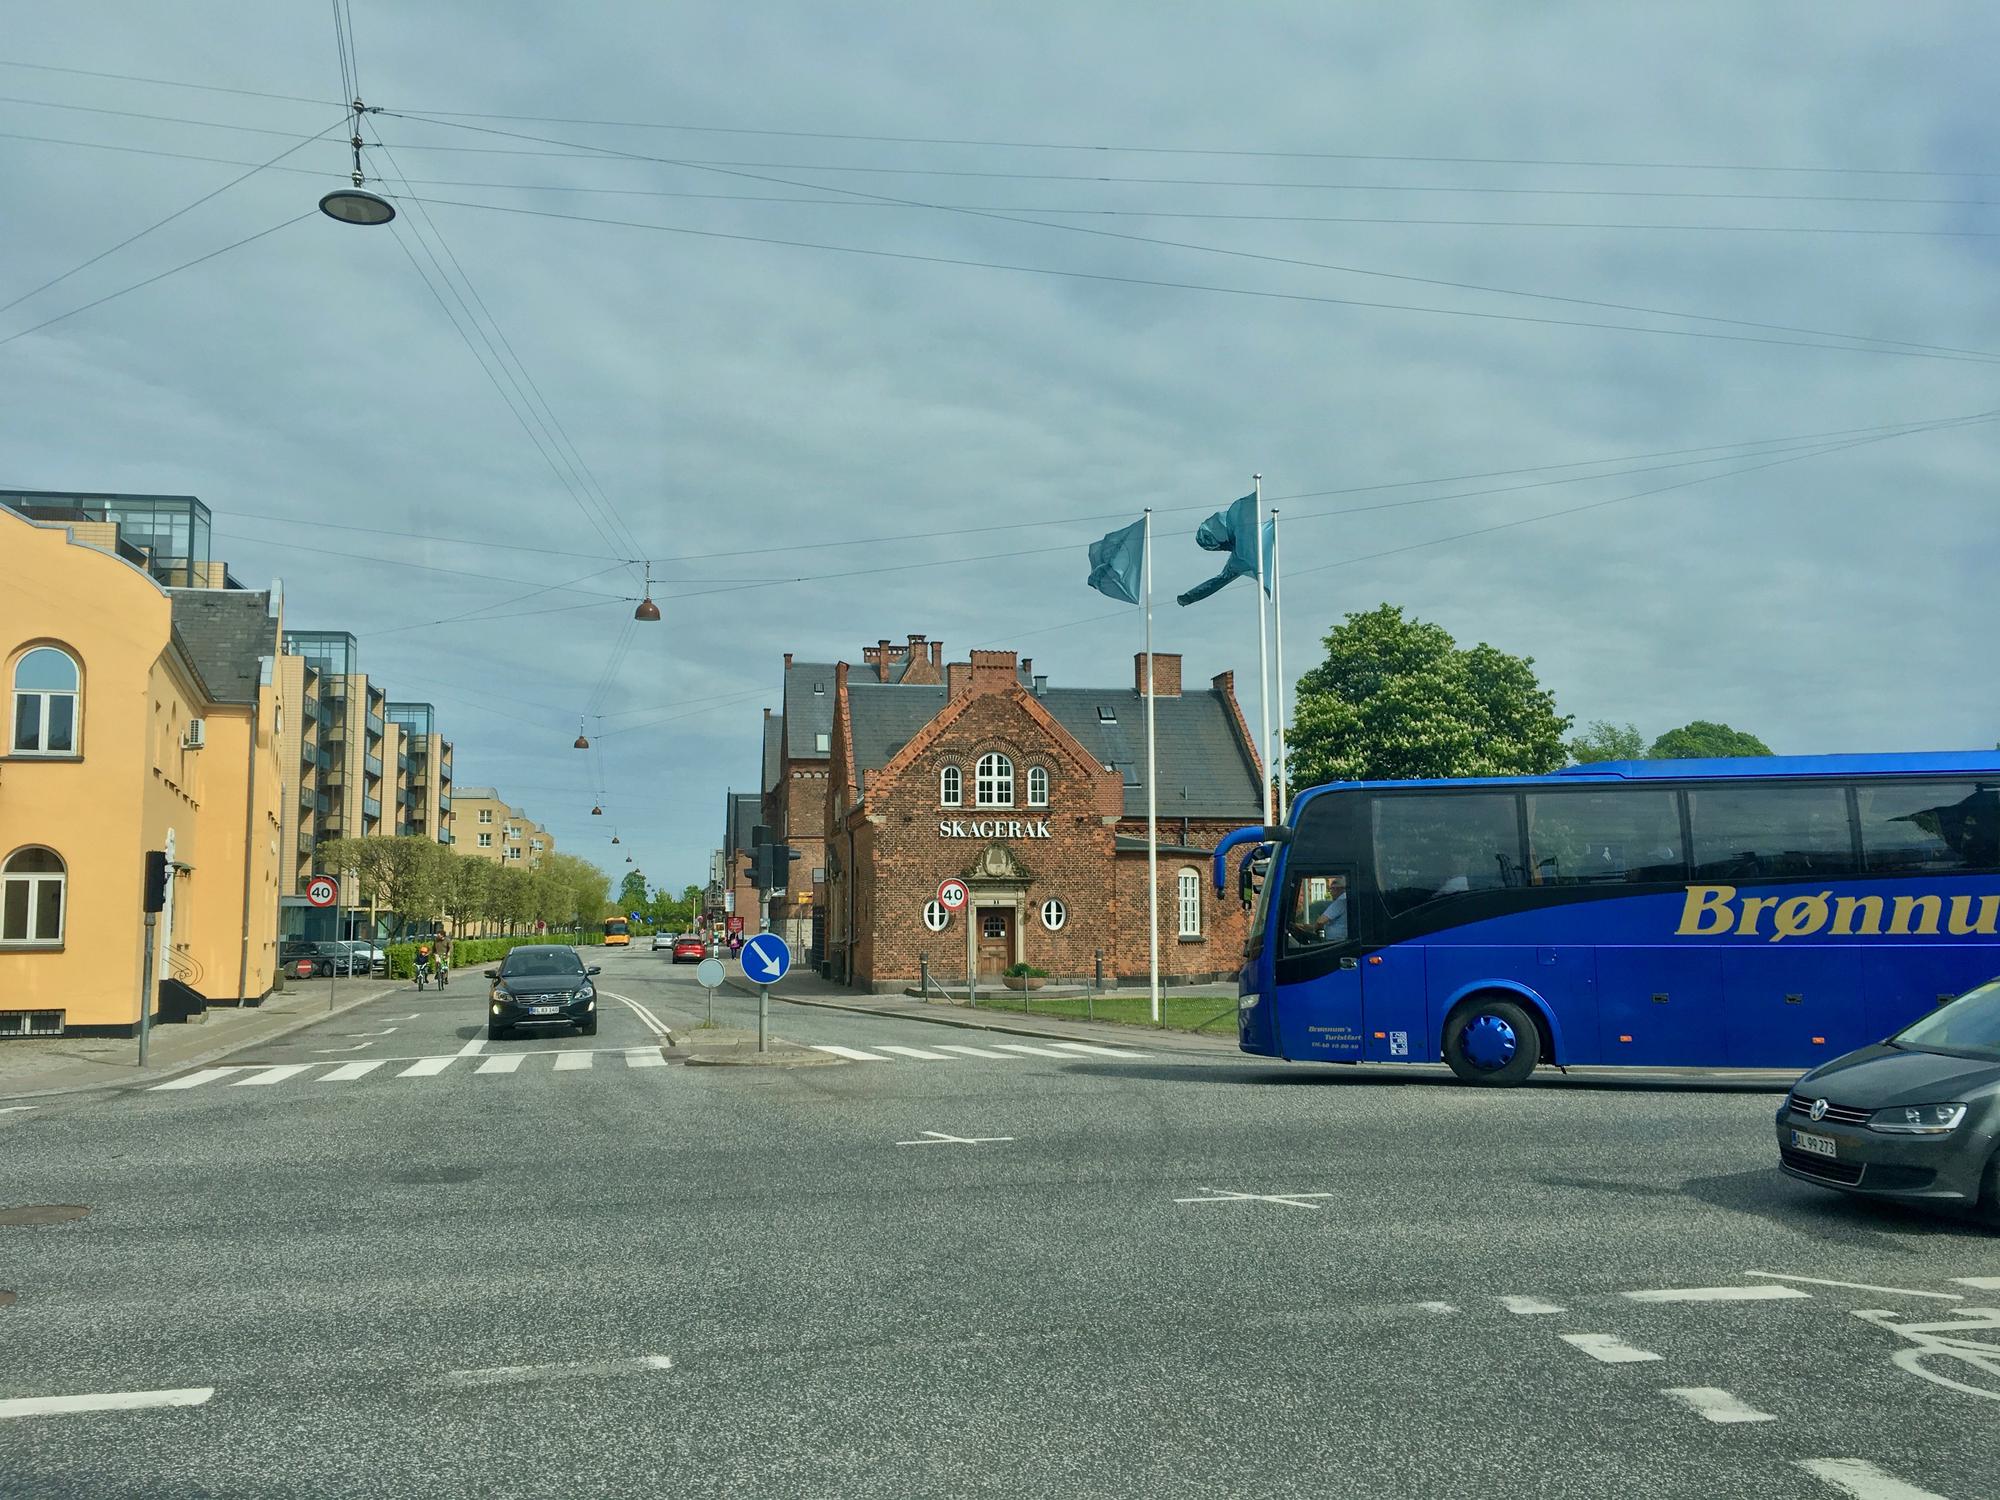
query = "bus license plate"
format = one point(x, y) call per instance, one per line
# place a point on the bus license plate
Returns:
point(550, 1010)
point(1818, 1145)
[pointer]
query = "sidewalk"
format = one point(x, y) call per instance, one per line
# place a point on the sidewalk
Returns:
point(34, 1067)
point(805, 989)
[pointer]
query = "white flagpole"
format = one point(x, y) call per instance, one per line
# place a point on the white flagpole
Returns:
point(1278, 643)
point(1263, 653)
point(1152, 796)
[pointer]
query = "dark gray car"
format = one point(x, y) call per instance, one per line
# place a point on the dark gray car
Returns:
point(1915, 1118)
point(541, 984)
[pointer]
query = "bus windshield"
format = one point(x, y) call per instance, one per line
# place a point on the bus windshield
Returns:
point(615, 927)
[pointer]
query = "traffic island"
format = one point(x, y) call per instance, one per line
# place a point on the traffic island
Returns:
point(722, 1046)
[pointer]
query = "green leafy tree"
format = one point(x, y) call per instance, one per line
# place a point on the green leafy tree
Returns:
point(632, 892)
point(1397, 698)
point(468, 889)
point(1703, 739)
point(1603, 740)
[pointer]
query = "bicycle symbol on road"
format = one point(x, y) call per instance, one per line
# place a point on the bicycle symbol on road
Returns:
point(1936, 1343)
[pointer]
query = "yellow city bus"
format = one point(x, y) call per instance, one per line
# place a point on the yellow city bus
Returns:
point(616, 933)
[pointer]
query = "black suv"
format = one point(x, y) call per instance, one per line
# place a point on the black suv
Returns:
point(544, 984)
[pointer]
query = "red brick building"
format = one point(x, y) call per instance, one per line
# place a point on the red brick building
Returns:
point(1034, 797)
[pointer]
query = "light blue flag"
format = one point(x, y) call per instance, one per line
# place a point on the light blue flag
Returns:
point(1116, 559)
point(1232, 531)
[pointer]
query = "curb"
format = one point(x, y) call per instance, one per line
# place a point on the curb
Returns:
point(965, 1024)
point(174, 1070)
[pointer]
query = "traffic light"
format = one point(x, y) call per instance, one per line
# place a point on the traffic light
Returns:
point(156, 881)
point(781, 856)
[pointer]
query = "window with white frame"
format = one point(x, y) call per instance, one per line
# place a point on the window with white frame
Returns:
point(951, 787)
point(994, 783)
point(486, 815)
point(486, 841)
point(1038, 786)
point(47, 694)
point(1188, 886)
point(32, 891)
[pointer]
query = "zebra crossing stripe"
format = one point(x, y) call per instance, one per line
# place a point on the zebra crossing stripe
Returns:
point(348, 1072)
point(1032, 1051)
point(570, 1062)
point(972, 1051)
point(506, 1062)
point(644, 1057)
point(277, 1074)
point(196, 1080)
point(1101, 1051)
point(916, 1052)
point(853, 1054)
point(427, 1067)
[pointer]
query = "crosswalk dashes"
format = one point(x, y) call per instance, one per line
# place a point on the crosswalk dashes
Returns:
point(994, 1052)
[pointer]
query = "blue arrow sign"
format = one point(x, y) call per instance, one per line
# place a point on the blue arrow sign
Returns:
point(766, 958)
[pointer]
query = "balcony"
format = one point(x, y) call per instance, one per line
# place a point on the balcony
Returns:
point(371, 807)
point(305, 843)
point(444, 801)
point(372, 764)
point(305, 796)
point(403, 762)
point(375, 726)
point(309, 708)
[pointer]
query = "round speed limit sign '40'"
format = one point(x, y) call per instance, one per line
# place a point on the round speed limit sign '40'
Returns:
point(322, 891)
point(952, 895)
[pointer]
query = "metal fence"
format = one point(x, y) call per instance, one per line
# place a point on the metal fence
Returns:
point(1068, 996)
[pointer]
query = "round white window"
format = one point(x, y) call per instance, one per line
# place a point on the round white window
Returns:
point(936, 917)
point(1054, 914)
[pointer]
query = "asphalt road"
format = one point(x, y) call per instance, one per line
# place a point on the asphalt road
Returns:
point(584, 1274)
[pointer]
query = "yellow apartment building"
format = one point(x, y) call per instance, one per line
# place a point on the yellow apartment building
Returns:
point(140, 717)
point(484, 824)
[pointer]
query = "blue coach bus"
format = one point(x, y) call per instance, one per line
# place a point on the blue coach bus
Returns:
point(1766, 912)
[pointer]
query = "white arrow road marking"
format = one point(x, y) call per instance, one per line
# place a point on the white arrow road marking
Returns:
point(1716, 1405)
point(43, 1406)
point(939, 1138)
point(1717, 1294)
point(1862, 1480)
point(1223, 1195)
point(1528, 1307)
point(1862, 1286)
point(1608, 1350)
point(533, 1374)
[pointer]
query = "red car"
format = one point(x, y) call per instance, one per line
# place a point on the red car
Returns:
point(689, 949)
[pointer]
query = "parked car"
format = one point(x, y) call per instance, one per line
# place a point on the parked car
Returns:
point(662, 940)
point(690, 948)
point(1915, 1118)
point(541, 984)
point(367, 957)
point(327, 958)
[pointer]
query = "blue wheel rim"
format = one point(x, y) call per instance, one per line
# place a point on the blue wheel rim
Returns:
point(1489, 1042)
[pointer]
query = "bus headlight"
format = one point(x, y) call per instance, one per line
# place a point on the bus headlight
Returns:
point(1918, 1119)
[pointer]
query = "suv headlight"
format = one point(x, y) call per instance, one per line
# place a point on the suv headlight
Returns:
point(500, 990)
point(1918, 1119)
point(586, 992)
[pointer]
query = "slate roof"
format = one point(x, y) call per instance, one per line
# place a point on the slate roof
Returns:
point(227, 633)
point(746, 811)
point(774, 750)
point(1205, 769)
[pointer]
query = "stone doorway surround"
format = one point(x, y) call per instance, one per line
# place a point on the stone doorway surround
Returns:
point(996, 879)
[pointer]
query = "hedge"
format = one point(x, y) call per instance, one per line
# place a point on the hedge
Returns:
point(469, 953)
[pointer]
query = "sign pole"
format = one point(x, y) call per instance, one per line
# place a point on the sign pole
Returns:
point(146, 988)
point(1263, 653)
point(1153, 797)
point(333, 973)
point(1278, 652)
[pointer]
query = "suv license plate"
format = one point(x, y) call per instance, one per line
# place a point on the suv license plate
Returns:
point(552, 1010)
point(1818, 1145)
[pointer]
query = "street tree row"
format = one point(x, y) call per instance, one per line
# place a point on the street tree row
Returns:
point(416, 880)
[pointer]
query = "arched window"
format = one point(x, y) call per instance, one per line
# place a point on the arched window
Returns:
point(1054, 914)
point(1188, 887)
point(31, 898)
point(951, 787)
point(1038, 787)
point(47, 690)
point(995, 785)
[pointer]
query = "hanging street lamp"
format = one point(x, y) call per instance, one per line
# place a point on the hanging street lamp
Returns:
point(581, 742)
point(647, 609)
point(353, 205)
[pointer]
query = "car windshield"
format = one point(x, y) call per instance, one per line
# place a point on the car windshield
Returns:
point(524, 962)
point(1969, 1025)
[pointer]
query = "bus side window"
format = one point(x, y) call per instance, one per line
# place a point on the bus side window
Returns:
point(1316, 912)
point(1751, 832)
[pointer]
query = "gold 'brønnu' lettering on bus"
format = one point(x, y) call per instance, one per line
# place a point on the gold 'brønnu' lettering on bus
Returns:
point(1713, 910)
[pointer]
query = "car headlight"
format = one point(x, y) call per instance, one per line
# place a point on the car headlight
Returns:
point(496, 1010)
point(585, 993)
point(1918, 1119)
point(500, 992)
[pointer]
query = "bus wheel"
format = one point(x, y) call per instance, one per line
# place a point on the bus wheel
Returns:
point(1492, 1040)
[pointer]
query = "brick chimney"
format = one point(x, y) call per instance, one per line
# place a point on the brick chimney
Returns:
point(994, 671)
point(937, 654)
point(1224, 683)
point(788, 659)
point(921, 664)
point(1166, 674)
point(957, 679)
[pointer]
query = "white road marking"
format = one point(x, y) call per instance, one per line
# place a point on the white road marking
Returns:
point(1608, 1350)
point(196, 1080)
point(354, 1047)
point(274, 1075)
point(1716, 1405)
point(1034, 1051)
point(15, 1109)
point(570, 1062)
point(1862, 1286)
point(385, 1031)
point(644, 1058)
point(914, 1052)
point(854, 1054)
point(939, 1138)
point(646, 1018)
point(427, 1067)
point(1223, 1195)
point(506, 1062)
point(1529, 1307)
point(348, 1072)
point(1101, 1051)
point(971, 1051)
point(1978, 1283)
point(1717, 1294)
point(534, 1374)
point(1862, 1480)
point(471, 1048)
point(1947, 1341)
point(44, 1406)
point(1441, 1309)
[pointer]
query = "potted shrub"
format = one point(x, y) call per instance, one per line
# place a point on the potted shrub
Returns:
point(1024, 977)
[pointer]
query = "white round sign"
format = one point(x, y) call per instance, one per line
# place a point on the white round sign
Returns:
point(952, 895)
point(708, 974)
point(322, 890)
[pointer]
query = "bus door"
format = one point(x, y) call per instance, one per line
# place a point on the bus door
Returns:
point(1318, 994)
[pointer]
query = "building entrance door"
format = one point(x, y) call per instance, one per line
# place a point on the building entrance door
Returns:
point(996, 939)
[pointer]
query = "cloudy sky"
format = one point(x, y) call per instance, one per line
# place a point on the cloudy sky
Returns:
point(777, 363)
